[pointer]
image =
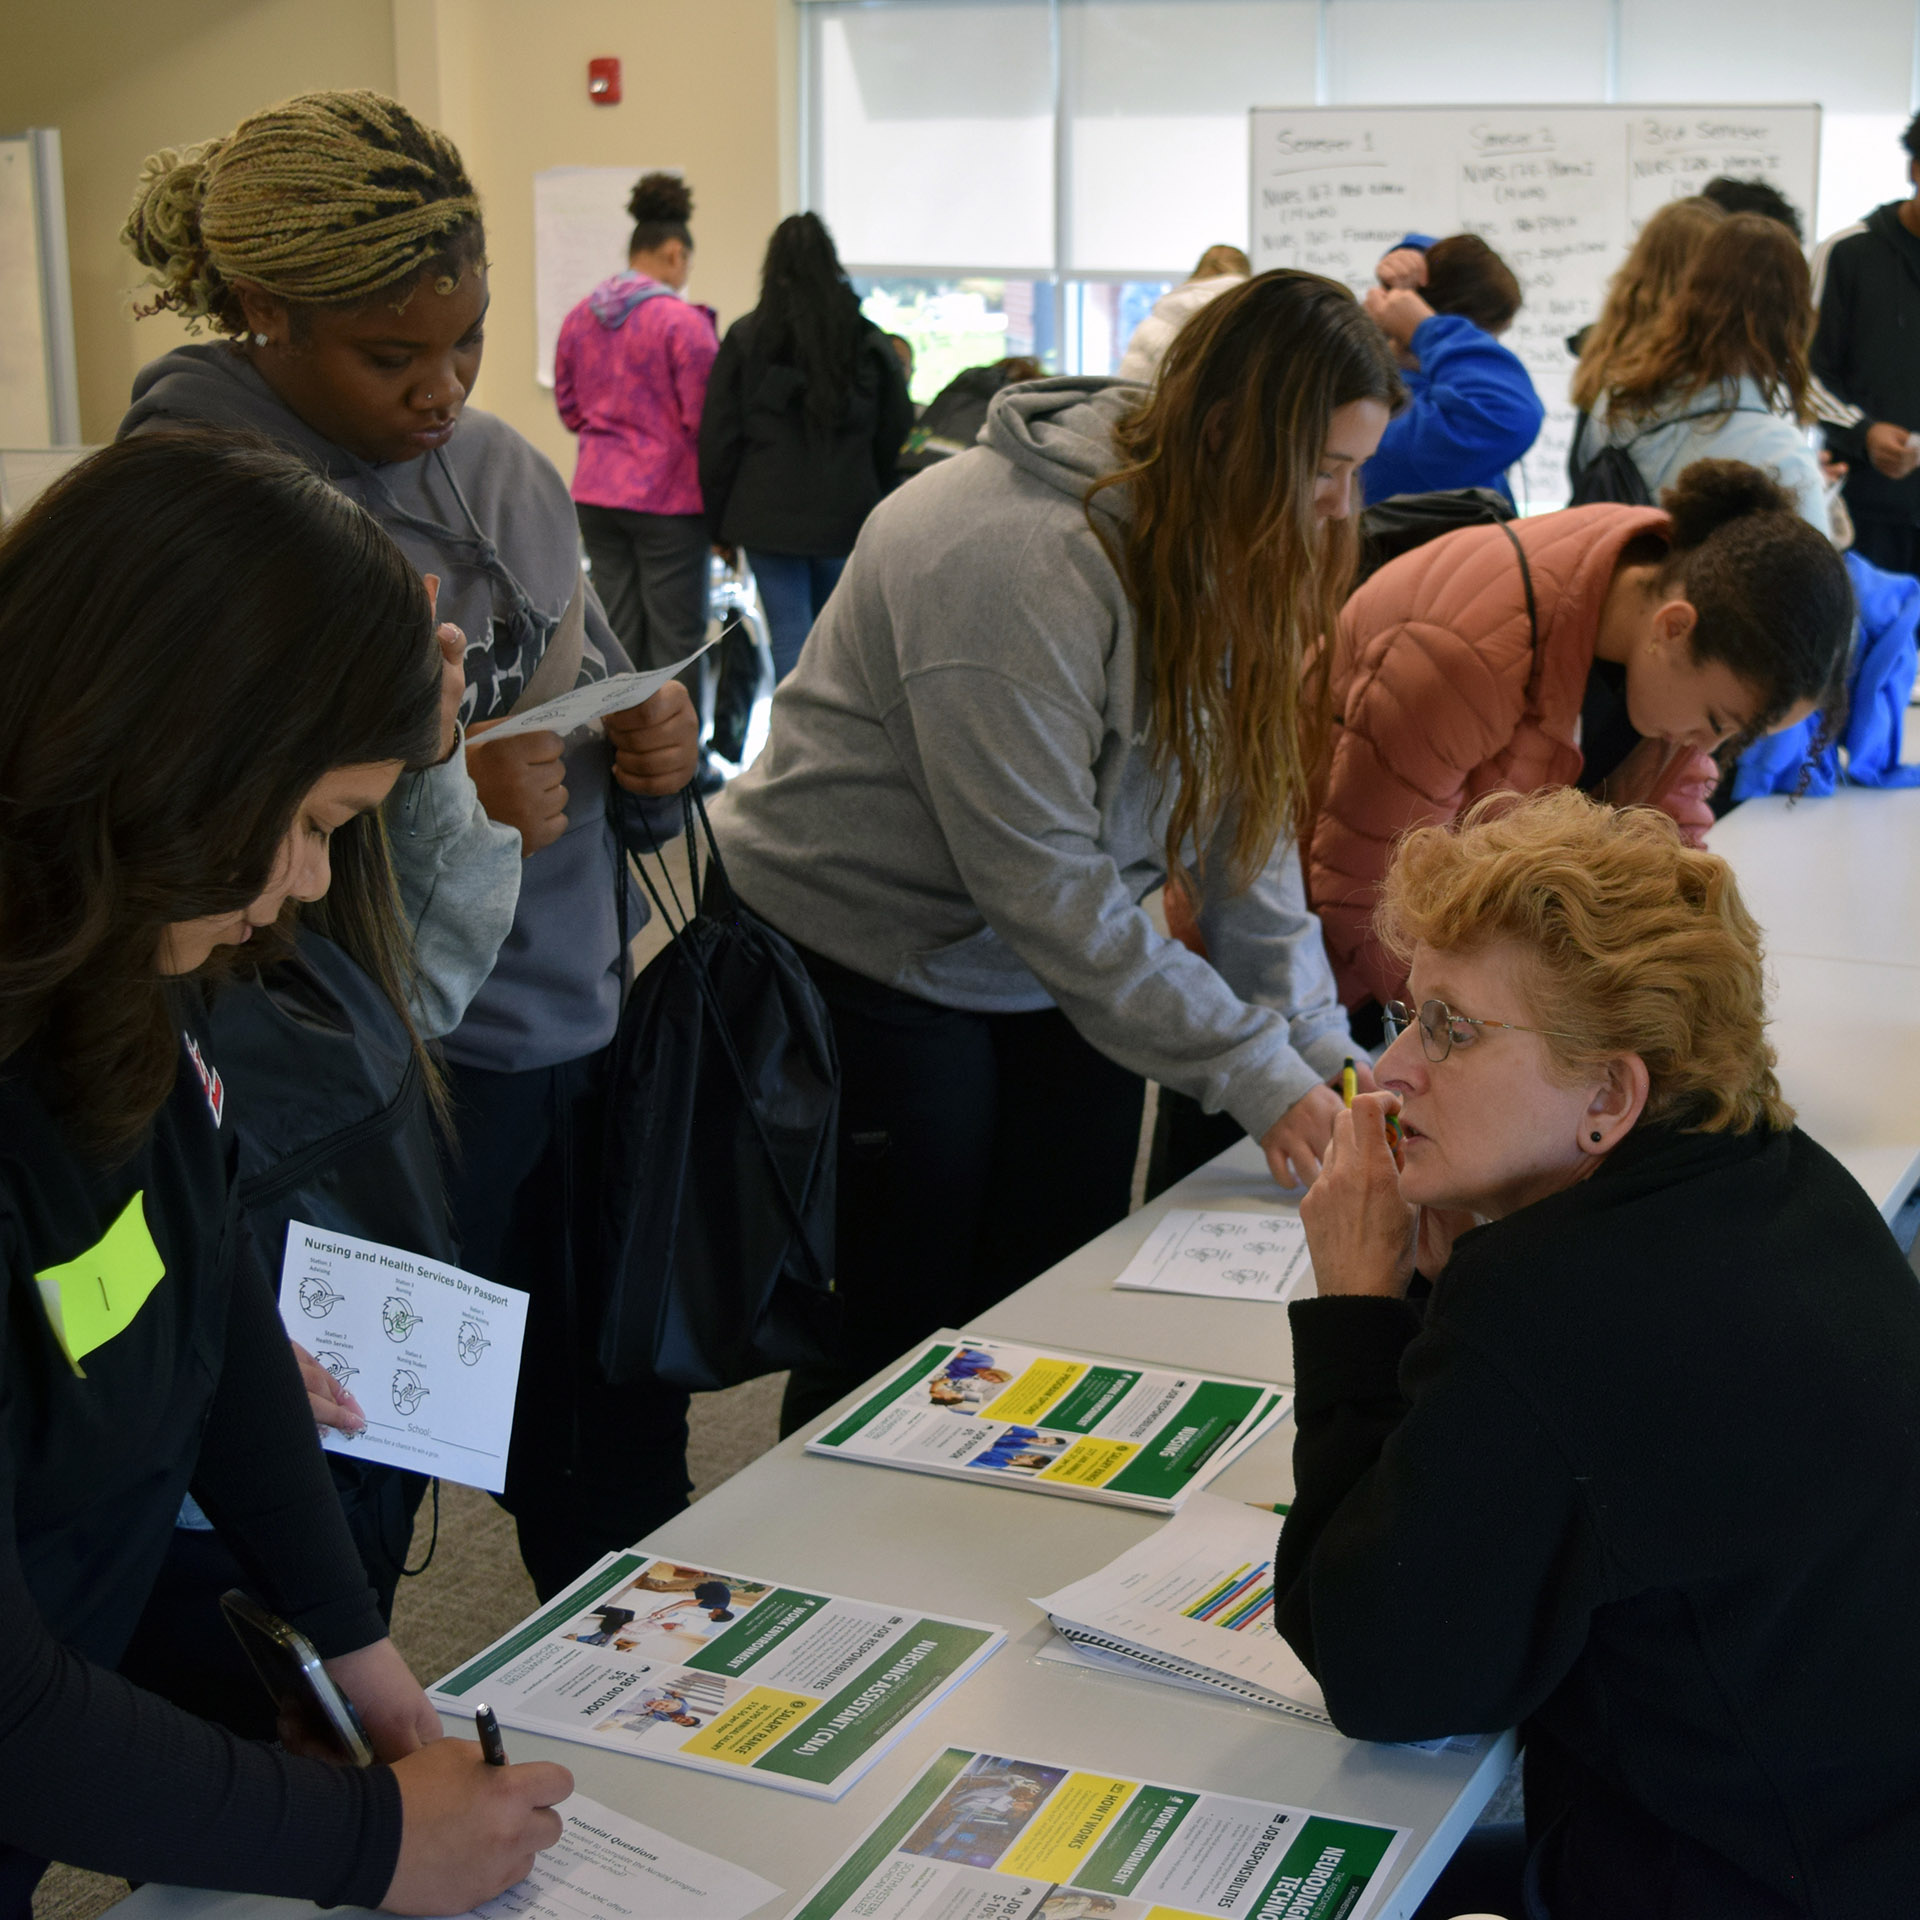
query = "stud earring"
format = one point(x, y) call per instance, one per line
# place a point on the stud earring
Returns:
point(259, 339)
point(1595, 1138)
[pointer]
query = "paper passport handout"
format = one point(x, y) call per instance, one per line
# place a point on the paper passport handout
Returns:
point(974, 1407)
point(612, 1868)
point(568, 712)
point(719, 1671)
point(1193, 1602)
point(432, 1354)
point(995, 1836)
point(1228, 1256)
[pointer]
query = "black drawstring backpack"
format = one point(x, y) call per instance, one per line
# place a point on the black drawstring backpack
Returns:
point(1403, 521)
point(722, 1103)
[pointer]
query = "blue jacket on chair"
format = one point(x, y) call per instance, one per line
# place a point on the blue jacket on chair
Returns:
point(1880, 684)
point(1472, 413)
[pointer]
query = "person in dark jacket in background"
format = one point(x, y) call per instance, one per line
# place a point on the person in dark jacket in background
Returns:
point(217, 667)
point(952, 419)
point(1867, 287)
point(1639, 1474)
point(1472, 409)
point(806, 411)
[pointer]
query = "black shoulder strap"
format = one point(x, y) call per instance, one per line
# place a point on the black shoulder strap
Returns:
point(1526, 580)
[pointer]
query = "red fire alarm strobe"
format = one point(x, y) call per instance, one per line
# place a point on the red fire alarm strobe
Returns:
point(603, 82)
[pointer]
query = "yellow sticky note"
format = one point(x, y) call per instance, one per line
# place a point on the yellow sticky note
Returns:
point(91, 1298)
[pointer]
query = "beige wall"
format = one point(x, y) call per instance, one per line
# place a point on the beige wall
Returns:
point(122, 78)
point(708, 87)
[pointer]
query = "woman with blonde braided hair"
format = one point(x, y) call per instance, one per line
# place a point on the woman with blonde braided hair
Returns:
point(337, 242)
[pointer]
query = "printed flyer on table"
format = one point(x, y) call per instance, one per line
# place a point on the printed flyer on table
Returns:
point(730, 1675)
point(971, 1407)
point(983, 1836)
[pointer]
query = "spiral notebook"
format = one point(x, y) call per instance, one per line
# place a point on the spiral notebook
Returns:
point(1193, 1604)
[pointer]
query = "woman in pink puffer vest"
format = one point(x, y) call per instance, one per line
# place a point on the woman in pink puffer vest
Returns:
point(1629, 647)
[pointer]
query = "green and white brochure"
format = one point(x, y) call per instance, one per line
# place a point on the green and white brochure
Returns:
point(735, 1676)
point(983, 1836)
point(973, 1407)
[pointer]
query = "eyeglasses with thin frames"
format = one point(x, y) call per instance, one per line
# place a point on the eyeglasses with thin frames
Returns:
point(1441, 1029)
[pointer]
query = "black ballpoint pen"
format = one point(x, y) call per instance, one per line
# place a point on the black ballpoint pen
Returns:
point(492, 1749)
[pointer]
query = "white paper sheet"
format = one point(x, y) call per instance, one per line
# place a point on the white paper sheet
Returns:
point(1228, 1256)
point(432, 1354)
point(567, 712)
point(607, 1867)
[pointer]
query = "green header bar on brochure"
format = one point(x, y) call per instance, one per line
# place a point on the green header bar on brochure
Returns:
point(874, 1702)
point(1146, 1823)
point(1097, 1394)
point(1325, 1870)
point(1213, 1413)
point(892, 1391)
point(906, 1815)
point(542, 1624)
point(757, 1633)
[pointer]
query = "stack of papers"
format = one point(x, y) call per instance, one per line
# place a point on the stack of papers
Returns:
point(972, 1407)
point(989, 1836)
point(722, 1672)
point(1193, 1603)
point(1229, 1256)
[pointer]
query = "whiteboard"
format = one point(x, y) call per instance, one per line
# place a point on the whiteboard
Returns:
point(580, 232)
point(1559, 192)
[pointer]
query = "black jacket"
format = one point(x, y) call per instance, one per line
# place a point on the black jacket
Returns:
point(953, 419)
point(199, 1389)
point(1866, 350)
point(769, 477)
point(1646, 1482)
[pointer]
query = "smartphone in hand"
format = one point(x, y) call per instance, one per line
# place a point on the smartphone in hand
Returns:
point(303, 1690)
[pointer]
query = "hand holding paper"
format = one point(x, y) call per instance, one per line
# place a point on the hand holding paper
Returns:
point(656, 745)
point(586, 704)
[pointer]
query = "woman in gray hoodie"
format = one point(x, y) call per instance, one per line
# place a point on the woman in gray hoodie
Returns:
point(1068, 662)
point(337, 242)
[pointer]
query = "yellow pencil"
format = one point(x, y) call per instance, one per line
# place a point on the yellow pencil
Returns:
point(1349, 1081)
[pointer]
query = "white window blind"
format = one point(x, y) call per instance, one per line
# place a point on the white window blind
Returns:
point(1156, 96)
point(933, 133)
point(1465, 52)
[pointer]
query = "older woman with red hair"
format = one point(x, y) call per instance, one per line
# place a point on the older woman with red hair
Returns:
point(1637, 1471)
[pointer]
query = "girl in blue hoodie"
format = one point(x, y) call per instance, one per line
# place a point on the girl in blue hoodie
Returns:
point(1472, 411)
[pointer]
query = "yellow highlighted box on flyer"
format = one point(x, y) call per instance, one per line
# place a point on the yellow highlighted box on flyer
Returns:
point(1038, 1388)
point(1062, 1836)
point(750, 1725)
point(1090, 1463)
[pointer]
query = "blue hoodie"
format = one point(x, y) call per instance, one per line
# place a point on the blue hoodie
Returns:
point(1880, 683)
point(1473, 412)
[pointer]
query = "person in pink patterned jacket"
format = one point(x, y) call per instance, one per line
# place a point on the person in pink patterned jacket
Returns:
point(630, 378)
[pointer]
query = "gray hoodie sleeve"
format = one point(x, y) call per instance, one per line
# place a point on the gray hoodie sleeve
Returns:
point(1009, 771)
point(459, 875)
point(1266, 943)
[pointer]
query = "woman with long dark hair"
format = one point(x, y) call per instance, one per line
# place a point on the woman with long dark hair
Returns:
point(806, 414)
point(1075, 659)
point(217, 667)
